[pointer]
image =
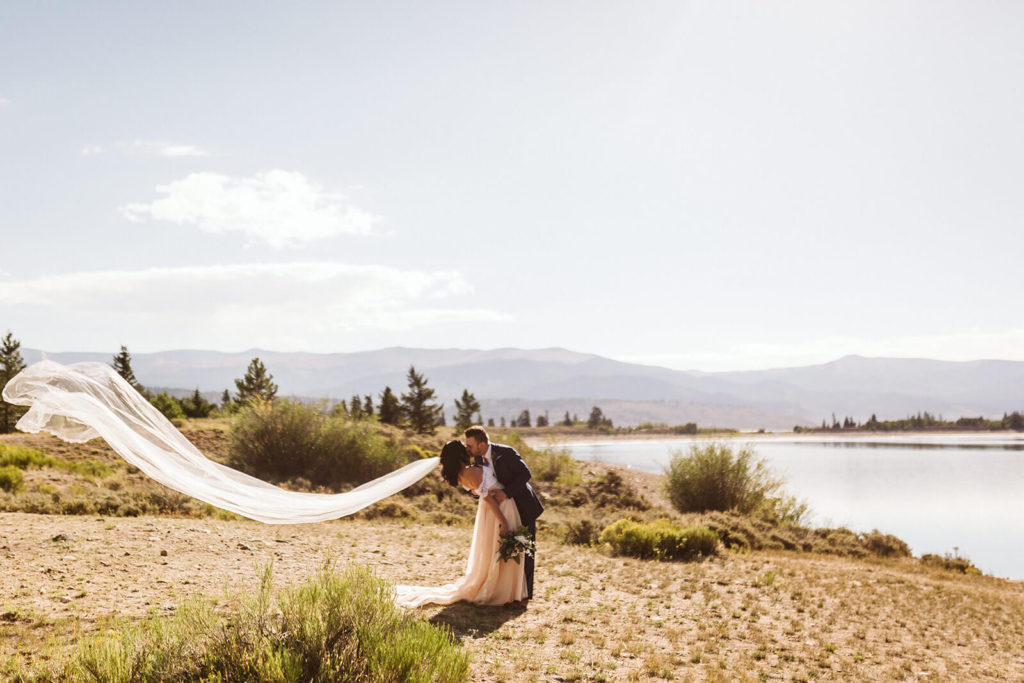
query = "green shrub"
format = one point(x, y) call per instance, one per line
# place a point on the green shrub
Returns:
point(168, 405)
point(660, 539)
point(11, 479)
point(285, 440)
point(550, 464)
point(334, 627)
point(713, 477)
point(25, 458)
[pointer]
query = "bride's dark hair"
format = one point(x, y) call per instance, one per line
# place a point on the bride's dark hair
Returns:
point(454, 457)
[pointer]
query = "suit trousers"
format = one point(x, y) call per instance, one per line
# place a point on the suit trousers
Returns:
point(528, 560)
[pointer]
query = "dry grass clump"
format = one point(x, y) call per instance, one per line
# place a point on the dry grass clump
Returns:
point(335, 626)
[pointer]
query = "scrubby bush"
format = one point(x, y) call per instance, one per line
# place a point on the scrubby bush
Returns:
point(885, 545)
point(611, 490)
point(714, 477)
point(11, 479)
point(582, 532)
point(334, 627)
point(743, 532)
point(660, 539)
point(953, 562)
point(284, 440)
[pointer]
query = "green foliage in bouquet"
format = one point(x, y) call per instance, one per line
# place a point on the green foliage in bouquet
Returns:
point(515, 544)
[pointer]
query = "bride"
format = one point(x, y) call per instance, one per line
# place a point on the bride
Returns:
point(488, 580)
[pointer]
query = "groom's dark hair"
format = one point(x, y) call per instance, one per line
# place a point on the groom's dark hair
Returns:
point(478, 433)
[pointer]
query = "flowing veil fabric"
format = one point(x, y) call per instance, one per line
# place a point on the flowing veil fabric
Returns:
point(82, 401)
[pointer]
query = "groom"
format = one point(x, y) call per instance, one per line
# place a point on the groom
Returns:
point(514, 475)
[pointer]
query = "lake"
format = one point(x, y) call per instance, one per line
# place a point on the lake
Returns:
point(937, 492)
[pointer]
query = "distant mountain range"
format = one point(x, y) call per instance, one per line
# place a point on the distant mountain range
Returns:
point(554, 381)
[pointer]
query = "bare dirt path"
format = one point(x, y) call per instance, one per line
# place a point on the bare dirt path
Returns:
point(738, 617)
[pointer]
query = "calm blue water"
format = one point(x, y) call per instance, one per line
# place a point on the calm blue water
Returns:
point(936, 492)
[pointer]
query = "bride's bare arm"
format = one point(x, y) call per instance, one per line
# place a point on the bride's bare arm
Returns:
point(493, 505)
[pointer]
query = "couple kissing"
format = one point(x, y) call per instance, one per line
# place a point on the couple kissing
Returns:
point(499, 477)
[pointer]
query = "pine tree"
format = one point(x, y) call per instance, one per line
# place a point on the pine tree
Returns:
point(123, 366)
point(225, 399)
point(355, 407)
point(523, 420)
point(257, 383)
point(490, 422)
point(568, 420)
point(542, 420)
point(597, 419)
point(502, 422)
point(368, 405)
point(11, 363)
point(390, 410)
point(418, 407)
point(464, 410)
point(196, 406)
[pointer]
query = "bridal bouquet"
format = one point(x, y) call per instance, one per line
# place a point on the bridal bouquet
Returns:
point(515, 543)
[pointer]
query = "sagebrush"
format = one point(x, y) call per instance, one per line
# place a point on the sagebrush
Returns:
point(337, 626)
point(715, 477)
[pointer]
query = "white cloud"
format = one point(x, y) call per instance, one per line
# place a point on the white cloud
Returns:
point(181, 151)
point(92, 150)
point(164, 149)
point(4, 102)
point(315, 305)
point(280, 208)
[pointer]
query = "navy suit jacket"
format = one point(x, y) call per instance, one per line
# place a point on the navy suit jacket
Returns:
point(514, 475)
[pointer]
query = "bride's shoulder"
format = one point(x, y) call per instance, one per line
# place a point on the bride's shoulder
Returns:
point(470, 477)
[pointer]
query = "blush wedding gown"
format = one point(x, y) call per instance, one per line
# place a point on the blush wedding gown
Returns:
point(488, 580)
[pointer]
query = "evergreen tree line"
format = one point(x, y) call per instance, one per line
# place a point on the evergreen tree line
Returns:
point(416, 409)
point(922, 421)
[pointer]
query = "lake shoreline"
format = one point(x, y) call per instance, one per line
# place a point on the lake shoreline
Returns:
point(540, 440)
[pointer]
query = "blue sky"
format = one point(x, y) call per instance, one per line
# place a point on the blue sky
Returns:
point(701, 185)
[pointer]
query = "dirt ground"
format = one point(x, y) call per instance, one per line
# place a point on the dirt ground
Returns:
point(753, 616)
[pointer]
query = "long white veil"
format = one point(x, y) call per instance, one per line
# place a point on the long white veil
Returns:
point(82, 401)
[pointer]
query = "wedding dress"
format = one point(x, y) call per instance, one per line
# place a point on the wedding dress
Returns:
point(488, 580)
point(82, 401)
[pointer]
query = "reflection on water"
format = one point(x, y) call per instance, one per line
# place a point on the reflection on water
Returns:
point(934, 491)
